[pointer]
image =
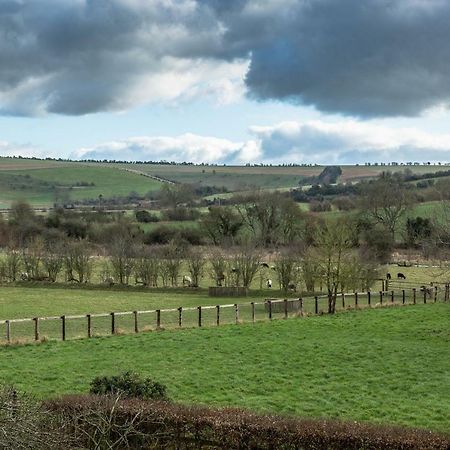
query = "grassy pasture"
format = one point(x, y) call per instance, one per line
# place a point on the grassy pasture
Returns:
point(238, 177)
point(33, 299)
point(38, 184)
point(384, 365)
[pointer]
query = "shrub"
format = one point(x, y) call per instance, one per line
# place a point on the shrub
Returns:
point(129, 384)
point(143, 216)
point(145, 424)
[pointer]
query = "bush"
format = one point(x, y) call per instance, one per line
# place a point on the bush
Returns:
point(143, 216)
point(180, 214)
point(130, 385)
point(147, 424)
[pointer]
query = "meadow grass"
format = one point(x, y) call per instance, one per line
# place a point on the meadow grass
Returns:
point(380, 365)
point(39, 188)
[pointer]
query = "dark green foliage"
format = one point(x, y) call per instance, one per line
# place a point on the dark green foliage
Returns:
point(180, 214)
point(417, 230)
point(130, 385)
point(329, 175)
point(143, 216)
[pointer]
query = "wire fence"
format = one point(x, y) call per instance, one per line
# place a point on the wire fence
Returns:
point(16, 331)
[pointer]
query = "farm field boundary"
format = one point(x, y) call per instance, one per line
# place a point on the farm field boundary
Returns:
point(18, 331)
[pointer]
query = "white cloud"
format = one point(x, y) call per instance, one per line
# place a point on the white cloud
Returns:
point(348, 142)
point(187, 147)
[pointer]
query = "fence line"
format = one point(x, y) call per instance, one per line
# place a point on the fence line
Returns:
point(101, 324)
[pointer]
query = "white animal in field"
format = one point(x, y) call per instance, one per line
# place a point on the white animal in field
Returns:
point(187, 281)
point(269, 283)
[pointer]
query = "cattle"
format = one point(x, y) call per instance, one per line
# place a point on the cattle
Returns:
point(400, 276)
point(269, 283)
point(388, 276)
point(187, 281)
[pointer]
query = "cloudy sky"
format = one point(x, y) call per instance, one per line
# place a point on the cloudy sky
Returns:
point(227, 81)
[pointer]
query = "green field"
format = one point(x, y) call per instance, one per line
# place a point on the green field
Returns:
point(384, 365)
point(43, 183)
point(244, 177)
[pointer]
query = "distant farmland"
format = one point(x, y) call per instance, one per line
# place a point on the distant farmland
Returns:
point(40, 182)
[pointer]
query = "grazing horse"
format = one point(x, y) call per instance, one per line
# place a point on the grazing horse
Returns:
point(187, 281)
point(400, 276)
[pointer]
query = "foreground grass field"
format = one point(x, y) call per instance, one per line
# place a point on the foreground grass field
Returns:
point(384, 365)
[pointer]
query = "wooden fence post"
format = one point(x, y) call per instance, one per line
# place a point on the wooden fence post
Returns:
point(158, 319)
point(403, 296)
point(199, 316)
point(89, 325)
point(435, 294)
point(113, 323)
point(218, 315)
point(270, 309)
point(63, 328)
point(253, 312)
point(424, 295)
point(392, 296)
point(285, 308)
point(356, 299)
point(8, 331)
point(180, 316)
point(316, 304)
point(236, 313)
point(343, 300)
point(381, 297)
point(414, 296)
point(36, 328)
point(368, 298)
point(136, 323)
point(300, 300)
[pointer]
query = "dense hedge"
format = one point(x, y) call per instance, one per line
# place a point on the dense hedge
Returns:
point(168, 425)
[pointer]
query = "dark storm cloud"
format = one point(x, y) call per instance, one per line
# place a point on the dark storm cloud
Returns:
point(365, 58)
point(360, 57)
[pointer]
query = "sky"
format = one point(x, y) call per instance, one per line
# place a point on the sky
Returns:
point(226, 81)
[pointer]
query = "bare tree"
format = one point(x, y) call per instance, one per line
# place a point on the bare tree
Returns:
point(386, 201)
point(53, 260)
point(246, 264)
point(272, 218)
point(77, 261)
point(222, 224)
point(12, 264)
point(171, 262)
point(218, 266)
point(333, 255)
point(196, 263)
point(122, 253)
point(286, 266)
point(32, 258)
point(147, 266)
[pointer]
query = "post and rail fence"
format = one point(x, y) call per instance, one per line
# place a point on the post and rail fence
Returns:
point(113, 323)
